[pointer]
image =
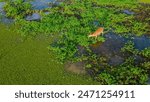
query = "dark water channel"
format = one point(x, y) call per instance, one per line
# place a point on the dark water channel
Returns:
point(113, 44)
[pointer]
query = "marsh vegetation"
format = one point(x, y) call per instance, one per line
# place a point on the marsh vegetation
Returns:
point(117, 57)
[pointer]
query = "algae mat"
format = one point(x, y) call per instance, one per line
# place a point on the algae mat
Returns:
point(145, 1)
point(29, 62)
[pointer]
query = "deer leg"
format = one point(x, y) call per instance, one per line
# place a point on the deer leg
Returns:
point(95, 37)
point(102, 33)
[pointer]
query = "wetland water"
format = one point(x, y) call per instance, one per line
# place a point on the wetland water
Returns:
point(114, 43)
point(21, 55)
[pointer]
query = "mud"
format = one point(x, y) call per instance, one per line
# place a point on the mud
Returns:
point(77, 67)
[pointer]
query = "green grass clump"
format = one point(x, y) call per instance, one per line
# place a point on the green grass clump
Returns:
point(146, 52)
point(146, 65)
point(16, 8)
point(105, 79)
point(123, 75)
point(129, 48)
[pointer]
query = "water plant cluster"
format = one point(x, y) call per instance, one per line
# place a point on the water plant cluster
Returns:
point(134, 70)
point(17, 8)
point(88, 14)
point(73, 20)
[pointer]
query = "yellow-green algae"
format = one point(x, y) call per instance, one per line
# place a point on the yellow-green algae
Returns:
point(29, 61)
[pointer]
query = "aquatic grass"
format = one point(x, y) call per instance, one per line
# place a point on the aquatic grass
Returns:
point(134, 70)
point(72, 21)
point(16, 8)
point(83, 14)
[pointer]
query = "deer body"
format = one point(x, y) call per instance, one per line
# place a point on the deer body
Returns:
point(98, 32)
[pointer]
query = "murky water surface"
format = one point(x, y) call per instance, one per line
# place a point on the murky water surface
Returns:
point(113, 44)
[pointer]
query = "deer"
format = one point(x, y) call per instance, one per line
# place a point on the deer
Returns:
point(98, 32)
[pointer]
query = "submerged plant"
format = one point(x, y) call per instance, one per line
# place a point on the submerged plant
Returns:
point(129, 48)
point(105, 79)
point(146, 52)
